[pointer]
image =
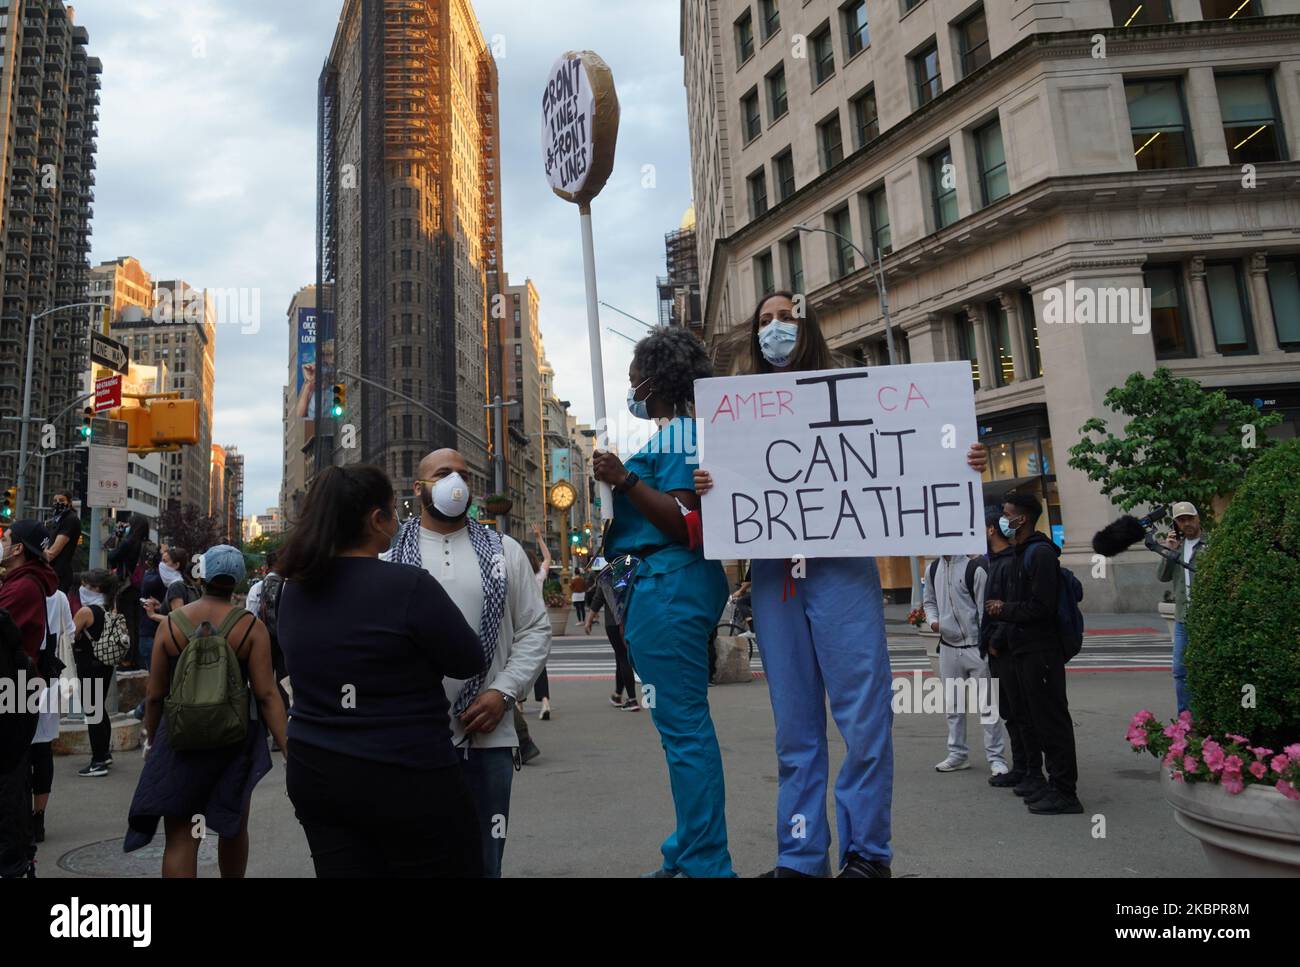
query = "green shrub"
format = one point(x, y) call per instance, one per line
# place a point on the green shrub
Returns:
point(1244, 621)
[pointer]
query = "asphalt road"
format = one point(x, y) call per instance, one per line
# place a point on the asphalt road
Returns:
point(596, 803)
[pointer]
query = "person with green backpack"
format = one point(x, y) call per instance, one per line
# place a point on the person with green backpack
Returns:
point(205, 739)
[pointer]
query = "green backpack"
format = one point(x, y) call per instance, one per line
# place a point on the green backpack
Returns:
point(207, 707)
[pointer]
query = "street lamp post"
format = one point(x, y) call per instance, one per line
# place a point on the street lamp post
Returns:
point(27, 398)
point(877, 267)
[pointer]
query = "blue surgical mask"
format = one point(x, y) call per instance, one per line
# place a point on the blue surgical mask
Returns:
point(636, 407)
point(776, 340)
point(1004, 525)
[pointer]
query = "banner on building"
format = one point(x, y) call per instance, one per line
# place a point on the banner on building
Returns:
point(306, 387)
point(560, 464)
point(840, 463)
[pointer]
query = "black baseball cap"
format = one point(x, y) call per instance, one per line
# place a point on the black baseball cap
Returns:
point(31, 535)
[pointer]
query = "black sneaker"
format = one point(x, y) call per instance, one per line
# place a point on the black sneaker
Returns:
point(1056, 804)
point(38, 826)
point(108, 759)
point(528, 752)
point(1031, 783)
point(1042, 792)
point(857, 867)
point(785, 873)
point(95, 769)
point(1007, 779)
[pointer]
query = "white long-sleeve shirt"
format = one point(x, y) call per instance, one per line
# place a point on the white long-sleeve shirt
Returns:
point(524, 639)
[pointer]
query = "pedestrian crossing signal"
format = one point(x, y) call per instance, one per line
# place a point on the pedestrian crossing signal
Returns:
point(87, 415)
point(340, 401)
point(10, 504)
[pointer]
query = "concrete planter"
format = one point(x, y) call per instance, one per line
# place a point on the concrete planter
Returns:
point(1166, 609)
point(559, 620)
point(1256, 833)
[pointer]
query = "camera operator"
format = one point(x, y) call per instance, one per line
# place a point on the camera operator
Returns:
point(1186, 541)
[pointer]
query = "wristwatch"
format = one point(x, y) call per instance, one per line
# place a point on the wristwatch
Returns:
point(510, 700)
point(630, 481)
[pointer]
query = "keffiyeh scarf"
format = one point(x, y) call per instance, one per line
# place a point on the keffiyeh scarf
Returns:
point(491, 565)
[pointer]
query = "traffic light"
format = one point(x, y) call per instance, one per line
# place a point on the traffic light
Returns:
point(10, 504)
point(340, 401)
point(574, 538)
point(87, 415)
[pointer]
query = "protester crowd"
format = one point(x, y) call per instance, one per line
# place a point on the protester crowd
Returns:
point(387, 663)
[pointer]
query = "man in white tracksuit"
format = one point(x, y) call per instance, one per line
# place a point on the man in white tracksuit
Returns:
point(954, 605)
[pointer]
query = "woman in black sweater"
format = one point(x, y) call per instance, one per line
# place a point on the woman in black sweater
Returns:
point(371, 770)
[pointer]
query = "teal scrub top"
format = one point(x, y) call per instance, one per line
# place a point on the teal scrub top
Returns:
point(667, 462)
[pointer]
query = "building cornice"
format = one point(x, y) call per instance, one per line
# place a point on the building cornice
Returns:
point(1036, 47)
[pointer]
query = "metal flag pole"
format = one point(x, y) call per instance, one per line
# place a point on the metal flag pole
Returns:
point(593, 341)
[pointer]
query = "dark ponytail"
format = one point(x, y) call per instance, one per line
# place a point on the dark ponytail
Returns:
point(333, 520)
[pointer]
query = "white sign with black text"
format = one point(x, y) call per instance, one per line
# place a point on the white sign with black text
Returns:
point(840, 463)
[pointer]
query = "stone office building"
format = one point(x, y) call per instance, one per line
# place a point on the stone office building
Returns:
point(999, 156)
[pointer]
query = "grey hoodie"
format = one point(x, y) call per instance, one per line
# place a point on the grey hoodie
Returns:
point(947, 601)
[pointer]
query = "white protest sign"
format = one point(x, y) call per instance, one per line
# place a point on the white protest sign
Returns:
point(579, 125)
point(840, 463)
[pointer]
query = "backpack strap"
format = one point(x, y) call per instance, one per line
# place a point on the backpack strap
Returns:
point(228, 625)
point(182, 622)
point(972, 565)
point(934, 568)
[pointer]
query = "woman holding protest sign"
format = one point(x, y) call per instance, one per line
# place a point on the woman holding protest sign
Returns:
point(675, 596)
point(820, 627)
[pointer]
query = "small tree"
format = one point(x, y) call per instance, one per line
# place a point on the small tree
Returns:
point(189, 529)
point(1181, 442)
point(1243, 653)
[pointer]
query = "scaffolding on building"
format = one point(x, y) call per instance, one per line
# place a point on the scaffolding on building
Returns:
point(679, 290)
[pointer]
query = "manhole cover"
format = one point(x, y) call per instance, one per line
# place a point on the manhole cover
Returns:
point(107, 859)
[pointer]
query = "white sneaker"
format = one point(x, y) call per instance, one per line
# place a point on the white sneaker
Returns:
point(999, 768)
point(952, 764)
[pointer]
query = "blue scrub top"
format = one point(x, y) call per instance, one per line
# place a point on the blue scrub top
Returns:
point(667, 462)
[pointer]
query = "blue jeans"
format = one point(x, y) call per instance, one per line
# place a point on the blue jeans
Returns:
point(146, 651)
point(827, 641)
point(489, 773)
point(1180, 668)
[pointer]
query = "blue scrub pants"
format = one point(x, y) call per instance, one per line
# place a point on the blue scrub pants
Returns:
point(828, 639)
point(669, 620)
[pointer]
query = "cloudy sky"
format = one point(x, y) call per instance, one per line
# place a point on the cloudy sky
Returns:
point(207, 172)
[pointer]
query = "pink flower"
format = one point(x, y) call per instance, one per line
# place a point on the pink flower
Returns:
point(1138, 736)
point(1185, 719)
point(1232, 765)
point(1279, 764)
point(1232, 783)
point(1139, 718)
point(1293, 751)
point(1172, 731)
point(1237, 738)
point(1258, 770)
point(1170, 758)
point(1286, 789)
point(1189, 763)
point(1177, 777)
point(1213, 754)
point(1179, 746)
point(1261, 753)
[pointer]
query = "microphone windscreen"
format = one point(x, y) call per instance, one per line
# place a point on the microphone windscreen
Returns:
point(1118, 537)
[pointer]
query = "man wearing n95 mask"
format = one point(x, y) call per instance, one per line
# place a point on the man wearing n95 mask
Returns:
point(489, 578)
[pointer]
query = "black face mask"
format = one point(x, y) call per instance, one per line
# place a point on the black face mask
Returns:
point(61, 508)
point(427, 500)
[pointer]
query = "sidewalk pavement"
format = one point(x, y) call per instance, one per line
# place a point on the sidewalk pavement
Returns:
point(597, 803)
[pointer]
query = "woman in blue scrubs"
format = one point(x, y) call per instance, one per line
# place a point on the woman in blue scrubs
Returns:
point(677, 596)
point(823, 636)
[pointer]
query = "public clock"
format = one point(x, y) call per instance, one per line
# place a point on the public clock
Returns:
point(563, 495)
